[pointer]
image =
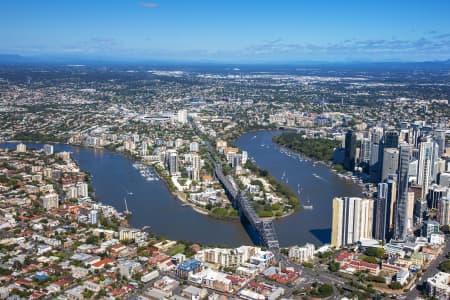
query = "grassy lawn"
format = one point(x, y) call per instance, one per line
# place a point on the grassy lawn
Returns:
point(224, 212)
point(179, 248)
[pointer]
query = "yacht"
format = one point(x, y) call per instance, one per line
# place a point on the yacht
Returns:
point(308, 205)
point(127, 212)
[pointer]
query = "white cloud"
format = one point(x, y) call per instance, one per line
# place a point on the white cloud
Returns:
point(150, 5)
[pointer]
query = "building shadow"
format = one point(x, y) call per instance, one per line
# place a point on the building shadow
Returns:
point(323, 235)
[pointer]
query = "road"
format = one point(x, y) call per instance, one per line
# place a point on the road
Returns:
point(314, 275)
point(430, 272)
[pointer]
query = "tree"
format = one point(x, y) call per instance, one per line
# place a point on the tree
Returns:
point(395, 285)
point(370, 259)
point(374, 252)
point(284, 251)
point(334, 266)
point(92, 240)
point(323, 291)
point(319, 148)
point(87, 294)
point(379, 279)
point(445, 266)
point(5, 271)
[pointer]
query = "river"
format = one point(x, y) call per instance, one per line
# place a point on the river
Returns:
point(316, 182)
point(113, 177)
point(152, 204)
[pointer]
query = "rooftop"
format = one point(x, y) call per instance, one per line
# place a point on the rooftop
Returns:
point(190, 265)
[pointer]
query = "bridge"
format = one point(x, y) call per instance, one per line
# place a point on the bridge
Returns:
point(265, 233)
point(264, 230)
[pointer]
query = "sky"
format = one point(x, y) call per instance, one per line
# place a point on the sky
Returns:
point(228, 30)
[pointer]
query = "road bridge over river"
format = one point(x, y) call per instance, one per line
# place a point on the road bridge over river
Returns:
point(265, 230)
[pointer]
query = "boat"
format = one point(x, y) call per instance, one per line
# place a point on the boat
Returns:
point(127, 212)
point(308, 205)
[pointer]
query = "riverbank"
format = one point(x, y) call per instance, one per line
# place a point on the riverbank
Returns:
point(153, 205)
point(175, 193)
point(335, 168)
point(280, 189)
point(267, 211)
point(216, 213)
point(114, 178)
point(182, 198)
point(319, 149)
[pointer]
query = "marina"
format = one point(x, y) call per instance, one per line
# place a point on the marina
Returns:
point(147, 172)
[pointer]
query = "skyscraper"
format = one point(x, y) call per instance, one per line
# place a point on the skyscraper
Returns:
point(172, 162)
point(196, 166)
point(352, 220)
point(376, 135)
point(439, 137)
point(21, 148)
point(425, 164)
point(392, 198)
point(434, 161)
point(196, 161)
point(420, 209)
point(381, 222)
point(391, 139)
point(182, 116)
point(365, 151)
point(350, 150)
point(375, 163)
point(82, 189)
point(390, 162)
point(443, 215)
point(415, 131)
point(435, 194)
point(401, 207)
point(93, 216)
point(144, 149)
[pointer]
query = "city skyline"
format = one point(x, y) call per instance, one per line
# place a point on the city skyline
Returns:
point(169, 149)
point(253, 32)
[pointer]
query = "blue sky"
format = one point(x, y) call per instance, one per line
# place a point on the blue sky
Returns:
point(234, 31)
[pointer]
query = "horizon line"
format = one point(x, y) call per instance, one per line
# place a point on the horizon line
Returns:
point(61, 58)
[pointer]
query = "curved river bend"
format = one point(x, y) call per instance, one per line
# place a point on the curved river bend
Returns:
point(316, 183)
point(153, 205)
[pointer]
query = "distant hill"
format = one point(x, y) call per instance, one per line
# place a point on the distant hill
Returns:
point(6, 58)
